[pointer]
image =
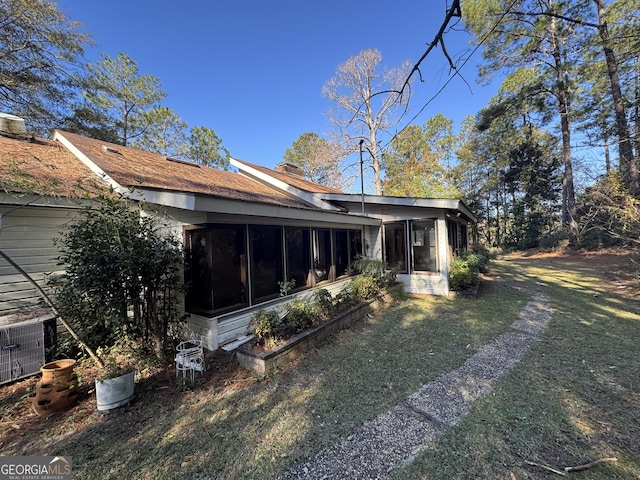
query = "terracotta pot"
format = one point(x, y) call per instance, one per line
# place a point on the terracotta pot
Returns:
point(57, 389)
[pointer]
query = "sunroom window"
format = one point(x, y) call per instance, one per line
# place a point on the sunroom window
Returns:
point(216, 270)
point(395, 246)
point(298, 246)
point(321, 254)
point(267, 266)
point(424, 246)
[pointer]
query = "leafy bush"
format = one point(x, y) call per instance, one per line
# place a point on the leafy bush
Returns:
point(366, 287)
point(375, 269)
point(300, 316)
point(122, 276)
point(269, 328)
point(345, 298)
point(465, 269)
point(324, 303)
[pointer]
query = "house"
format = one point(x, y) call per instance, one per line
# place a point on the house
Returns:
point(248, 231)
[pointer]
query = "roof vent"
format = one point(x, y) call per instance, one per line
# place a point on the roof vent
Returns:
point(111, 150)
point(12, 124)
point(183, 162)
point(289, 168)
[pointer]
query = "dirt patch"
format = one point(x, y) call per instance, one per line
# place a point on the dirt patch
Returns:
point(22, 432)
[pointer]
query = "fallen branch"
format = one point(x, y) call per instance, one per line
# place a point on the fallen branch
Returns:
point(590, 465)
point(546, 468)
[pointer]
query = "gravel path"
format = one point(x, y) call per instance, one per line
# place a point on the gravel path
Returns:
point(392, 440)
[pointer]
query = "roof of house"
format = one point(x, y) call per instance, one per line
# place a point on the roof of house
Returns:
point(39, 166)
point(130, 167)
point(294, 180)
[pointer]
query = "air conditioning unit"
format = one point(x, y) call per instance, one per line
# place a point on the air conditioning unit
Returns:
point(25, 345)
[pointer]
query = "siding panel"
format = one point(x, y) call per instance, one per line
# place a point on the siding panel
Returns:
point(27, 238)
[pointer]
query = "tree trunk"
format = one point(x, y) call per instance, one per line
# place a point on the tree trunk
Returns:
point(569, 209)
point(628, 164)
point(636, 114)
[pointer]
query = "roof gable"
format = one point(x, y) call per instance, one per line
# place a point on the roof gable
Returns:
point(132, 168)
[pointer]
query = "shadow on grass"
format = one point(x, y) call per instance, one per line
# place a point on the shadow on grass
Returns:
point(257, 429)
point(572, 400)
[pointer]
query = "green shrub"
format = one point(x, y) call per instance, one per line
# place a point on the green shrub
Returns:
point(366, 287)
point(465, 270)
point(300, 316)
point(346, 298)
point(461, 275)
point(324, 303)
point(269, 328)
point(122, 276)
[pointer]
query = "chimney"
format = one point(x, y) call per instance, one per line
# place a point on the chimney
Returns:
point(12, 124)
point(289, 168)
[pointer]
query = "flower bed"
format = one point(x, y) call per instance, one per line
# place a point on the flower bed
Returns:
point(269, 360)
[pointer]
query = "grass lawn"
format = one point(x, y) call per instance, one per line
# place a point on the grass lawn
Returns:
point(574, 398)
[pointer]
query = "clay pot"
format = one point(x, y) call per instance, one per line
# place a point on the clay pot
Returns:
point(57, 389)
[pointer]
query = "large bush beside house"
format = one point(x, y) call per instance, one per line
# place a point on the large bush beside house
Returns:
point(122, 276)
point(465, 269)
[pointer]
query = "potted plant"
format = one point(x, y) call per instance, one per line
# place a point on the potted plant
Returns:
point(120, 293)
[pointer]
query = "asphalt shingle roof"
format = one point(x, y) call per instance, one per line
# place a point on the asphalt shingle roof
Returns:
point(43, 167)
point(131, 167)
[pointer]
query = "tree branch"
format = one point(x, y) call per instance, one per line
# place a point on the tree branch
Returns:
point(454, 11)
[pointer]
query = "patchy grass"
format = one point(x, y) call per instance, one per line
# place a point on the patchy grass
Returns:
point(563, 404)
point(574, 398)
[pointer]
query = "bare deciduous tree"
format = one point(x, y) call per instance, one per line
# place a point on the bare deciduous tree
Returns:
point(366, 98)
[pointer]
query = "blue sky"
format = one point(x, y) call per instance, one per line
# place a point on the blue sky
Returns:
point(254, 70)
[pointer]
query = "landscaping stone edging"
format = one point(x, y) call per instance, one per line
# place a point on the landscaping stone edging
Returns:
point(267, 361)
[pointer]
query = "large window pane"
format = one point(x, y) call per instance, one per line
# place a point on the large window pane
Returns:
point(321, 254)
point(395, 246)
point(266, 261)
point(341, 252)
point(298, 244)
point(216, 269)
point(424, 246)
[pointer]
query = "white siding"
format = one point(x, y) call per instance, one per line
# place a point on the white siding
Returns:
point(216, 331)
point(26, 236)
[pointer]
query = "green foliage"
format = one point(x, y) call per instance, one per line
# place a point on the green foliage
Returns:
point(345, 298)
point(376, 270)
point(324, 302)
point(205, 147)
point(40, 51)
point(122, 276)
point(300, 316)
point(365, 287)
point(116, 89)
point(165, 134)
point(418, 163)
point(286, 286)
point(316, 157)
point(465, 269)
point(269, 328)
